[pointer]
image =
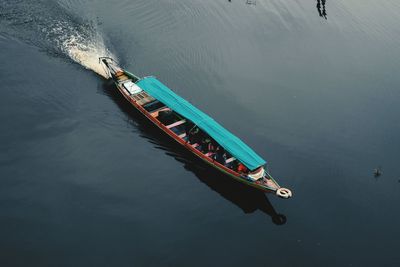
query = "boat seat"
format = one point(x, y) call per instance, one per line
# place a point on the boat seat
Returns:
point(182, 135)
point(176, 124)
point(195, 145)
point(155, 112)
point(230, 160)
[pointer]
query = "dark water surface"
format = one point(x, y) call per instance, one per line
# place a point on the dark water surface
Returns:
point(313, 87)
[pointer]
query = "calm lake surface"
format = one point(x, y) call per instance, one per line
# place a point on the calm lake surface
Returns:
point(313, 87)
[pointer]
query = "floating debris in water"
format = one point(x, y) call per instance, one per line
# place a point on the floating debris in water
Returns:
point(321, 8)
point(251, 2)
point(378, 172)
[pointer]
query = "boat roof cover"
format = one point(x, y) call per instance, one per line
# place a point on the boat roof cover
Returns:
point(227, 140)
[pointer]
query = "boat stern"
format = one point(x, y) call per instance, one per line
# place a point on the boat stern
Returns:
point(110, 66)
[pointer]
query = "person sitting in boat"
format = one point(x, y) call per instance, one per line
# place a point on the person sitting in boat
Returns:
point(208, 146)
point(196, 136)
point(241, 168)
point(211, 146)
point(220, 155)
point(166, 117)
point(233, 165)
point(204, 145)
point(191, 132)
point(188, 127)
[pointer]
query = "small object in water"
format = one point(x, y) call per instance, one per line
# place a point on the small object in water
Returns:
point(251, 2)
point(377, 172)
point(322, 10)
point(284, 193)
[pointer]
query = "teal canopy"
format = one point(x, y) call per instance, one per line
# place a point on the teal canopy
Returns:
point(227, 140)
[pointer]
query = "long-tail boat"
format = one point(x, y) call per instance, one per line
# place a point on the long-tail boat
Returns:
point(193, 129)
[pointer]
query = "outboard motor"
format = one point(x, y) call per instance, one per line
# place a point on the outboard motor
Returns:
point(105, 62)
point(110, 66)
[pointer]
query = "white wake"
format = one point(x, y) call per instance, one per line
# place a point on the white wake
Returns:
point(87, 52)
point(55, 27)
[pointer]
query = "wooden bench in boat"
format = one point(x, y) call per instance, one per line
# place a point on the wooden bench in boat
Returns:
point(195, 145)
point(176, 124)
point(155, 112)
point(230, 160)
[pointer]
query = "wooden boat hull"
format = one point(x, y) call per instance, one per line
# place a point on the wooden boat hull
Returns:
point(188, 146)
point(149, 100)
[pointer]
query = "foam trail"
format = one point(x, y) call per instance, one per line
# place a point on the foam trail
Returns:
point(54, 28)
point(87, 52)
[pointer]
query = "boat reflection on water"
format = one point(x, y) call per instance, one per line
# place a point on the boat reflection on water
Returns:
point(321, 8)
point(246, 198)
